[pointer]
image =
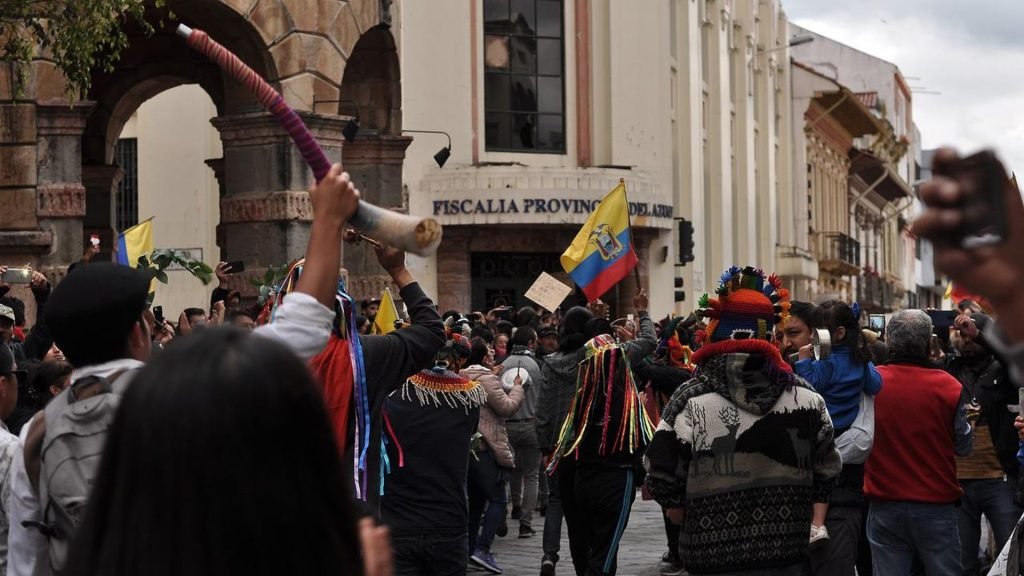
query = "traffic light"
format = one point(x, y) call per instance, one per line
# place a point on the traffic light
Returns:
point(685, 241)
point(680, 294)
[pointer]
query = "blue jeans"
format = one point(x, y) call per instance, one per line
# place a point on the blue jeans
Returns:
point(430, 554)
point(899, 531)
point(994, 499)
point(486, 489)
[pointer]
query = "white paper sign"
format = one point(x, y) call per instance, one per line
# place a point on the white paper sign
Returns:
point(548, 292)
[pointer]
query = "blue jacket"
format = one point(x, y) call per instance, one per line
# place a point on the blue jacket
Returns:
point(840, 380)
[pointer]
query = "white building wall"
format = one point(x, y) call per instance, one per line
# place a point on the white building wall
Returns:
point(176, 188)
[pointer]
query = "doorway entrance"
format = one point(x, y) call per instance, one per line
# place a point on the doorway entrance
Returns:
point(502, 278)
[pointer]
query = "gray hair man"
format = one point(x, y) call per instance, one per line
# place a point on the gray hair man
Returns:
point(910, 476)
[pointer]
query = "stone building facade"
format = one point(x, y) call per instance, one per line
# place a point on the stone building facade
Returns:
point(328, 58)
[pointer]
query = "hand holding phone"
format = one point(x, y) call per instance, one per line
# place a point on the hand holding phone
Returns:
point(16, 276)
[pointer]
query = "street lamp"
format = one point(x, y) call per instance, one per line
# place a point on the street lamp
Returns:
point(352, 126)
point(444, 153)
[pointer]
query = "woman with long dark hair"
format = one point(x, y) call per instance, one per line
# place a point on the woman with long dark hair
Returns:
point(221, 460)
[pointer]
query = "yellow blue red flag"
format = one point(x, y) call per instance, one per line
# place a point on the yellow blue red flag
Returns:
point(135, 242)
point(602, 253)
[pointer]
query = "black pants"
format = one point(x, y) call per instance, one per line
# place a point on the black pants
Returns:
point(672, 532)
point(430, 554)
point(839, 556)
point(602, 500)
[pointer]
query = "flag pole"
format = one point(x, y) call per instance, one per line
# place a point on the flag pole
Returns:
point(629, 221)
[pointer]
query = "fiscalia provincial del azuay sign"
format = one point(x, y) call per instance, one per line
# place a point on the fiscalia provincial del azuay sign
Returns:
point(554, 206)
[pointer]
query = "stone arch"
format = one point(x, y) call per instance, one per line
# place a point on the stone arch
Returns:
point(373, 81)
point(299, 46)
point(161, 61)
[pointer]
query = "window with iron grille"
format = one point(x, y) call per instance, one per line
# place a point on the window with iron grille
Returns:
point(128, 190)
point(524, 76)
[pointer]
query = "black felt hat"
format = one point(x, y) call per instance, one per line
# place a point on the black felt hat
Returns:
point(92, 312)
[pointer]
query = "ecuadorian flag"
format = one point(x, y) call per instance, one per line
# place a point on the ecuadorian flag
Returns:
point(134, 242)
point(602, 253)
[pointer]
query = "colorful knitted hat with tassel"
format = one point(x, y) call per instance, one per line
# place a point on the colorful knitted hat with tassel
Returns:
point(748, 306)
point(743, 316)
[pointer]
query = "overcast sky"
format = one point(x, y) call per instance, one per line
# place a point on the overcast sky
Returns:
point(971, 52)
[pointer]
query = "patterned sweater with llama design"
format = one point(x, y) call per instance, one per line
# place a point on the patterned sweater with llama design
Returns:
point(745, 448)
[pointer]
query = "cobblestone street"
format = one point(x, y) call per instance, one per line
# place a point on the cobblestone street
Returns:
point(639, 554)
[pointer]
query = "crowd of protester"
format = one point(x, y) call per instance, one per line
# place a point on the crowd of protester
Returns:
point(131, 444)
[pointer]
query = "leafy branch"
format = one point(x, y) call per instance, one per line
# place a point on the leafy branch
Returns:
point(156, 262)
point(80, 36)
point(267, 285)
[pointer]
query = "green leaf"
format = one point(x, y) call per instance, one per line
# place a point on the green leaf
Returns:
point(160, 275)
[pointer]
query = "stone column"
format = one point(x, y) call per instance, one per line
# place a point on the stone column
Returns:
point(101, 182)
point(375, 164)
point(265, 210)
point(453, 270)
point(217, 165)
point(61, 196)
point(18, 175)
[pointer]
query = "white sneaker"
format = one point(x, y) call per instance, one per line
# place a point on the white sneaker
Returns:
point(819, 536)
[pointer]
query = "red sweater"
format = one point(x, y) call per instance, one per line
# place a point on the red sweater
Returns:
point(913, 457)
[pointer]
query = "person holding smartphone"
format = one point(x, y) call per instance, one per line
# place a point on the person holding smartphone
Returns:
point(37, 342)
point(989, 475)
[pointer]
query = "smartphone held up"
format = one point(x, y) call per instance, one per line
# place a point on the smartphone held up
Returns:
point(16, 276)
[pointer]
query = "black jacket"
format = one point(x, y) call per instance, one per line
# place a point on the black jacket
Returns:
point(39, 340)
point(428, 451)
point(990, 385)
point(389, 361)
point(664, 379)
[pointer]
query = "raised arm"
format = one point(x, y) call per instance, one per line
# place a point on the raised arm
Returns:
point(645, 342)
point(304, 319)
point(39, 340)
point(410, 349)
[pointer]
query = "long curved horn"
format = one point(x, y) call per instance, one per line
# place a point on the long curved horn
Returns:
point(416, 235)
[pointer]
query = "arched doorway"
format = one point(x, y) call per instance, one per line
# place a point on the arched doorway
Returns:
point(372, 88)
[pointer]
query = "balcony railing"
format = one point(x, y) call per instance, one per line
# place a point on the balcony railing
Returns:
point(837, 253)
point(876, 294)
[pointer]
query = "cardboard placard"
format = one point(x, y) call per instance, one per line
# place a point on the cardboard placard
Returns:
point(548, 292)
